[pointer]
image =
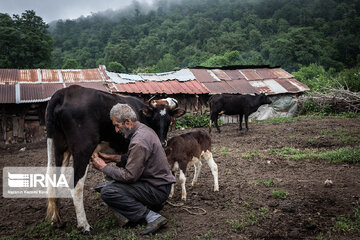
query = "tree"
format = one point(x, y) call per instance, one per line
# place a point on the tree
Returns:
point(24, 41)
point(167, 63)
point(116, 67)
point(71, 64)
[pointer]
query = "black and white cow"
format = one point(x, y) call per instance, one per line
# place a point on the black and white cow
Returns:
point(235, 104)
point(78, 120)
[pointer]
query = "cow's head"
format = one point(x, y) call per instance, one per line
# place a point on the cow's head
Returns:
point(159, 116)
point(264, 99)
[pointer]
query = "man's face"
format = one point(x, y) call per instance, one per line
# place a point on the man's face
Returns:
point(123, 128)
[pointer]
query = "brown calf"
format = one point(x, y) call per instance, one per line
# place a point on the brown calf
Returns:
point(188, 149)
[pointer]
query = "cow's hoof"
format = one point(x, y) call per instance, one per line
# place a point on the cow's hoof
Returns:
point(216, 189)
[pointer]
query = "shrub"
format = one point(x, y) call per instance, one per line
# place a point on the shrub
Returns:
point(350, 79)
point(196, 120)
point(315, 77)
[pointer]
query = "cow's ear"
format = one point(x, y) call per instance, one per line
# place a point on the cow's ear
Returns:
point(177, 112)
point(147, 112)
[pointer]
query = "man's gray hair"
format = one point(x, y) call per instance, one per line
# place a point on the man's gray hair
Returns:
point(121, 112)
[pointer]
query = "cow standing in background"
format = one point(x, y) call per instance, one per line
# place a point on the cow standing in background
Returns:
point(166, 109)
point(235, 104)
point(78, 120)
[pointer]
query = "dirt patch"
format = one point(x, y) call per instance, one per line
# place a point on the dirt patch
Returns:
point(245, 207)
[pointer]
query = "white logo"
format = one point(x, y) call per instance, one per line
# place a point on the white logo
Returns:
point(36, 180)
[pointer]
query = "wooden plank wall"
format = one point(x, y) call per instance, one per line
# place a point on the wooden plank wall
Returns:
point(22, 123)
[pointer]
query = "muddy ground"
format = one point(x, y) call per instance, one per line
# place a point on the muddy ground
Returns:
point(244, 208)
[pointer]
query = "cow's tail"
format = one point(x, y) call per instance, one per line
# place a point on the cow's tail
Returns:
point(52, 212)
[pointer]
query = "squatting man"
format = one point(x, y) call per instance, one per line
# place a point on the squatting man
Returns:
point(141, 181)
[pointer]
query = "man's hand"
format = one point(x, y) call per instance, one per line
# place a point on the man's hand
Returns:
point(110, 157)
point(98, 163)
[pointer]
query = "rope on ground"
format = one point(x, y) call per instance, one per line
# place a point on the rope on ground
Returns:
point(189, 209)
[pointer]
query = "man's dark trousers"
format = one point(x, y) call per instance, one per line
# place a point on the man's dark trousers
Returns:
point(133, 200)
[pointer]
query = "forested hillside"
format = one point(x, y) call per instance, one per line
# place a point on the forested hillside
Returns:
point(214, 32)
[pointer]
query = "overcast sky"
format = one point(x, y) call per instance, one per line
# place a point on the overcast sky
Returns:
point(50, 10)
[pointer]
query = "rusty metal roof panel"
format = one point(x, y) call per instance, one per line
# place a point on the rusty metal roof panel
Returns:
point(168, 87)
point(50, 75)
point(79, 75)
point(219, 87)
point(203, 75)
point(250, 74)
point(262, 87)
point(285, 83)
point(270, 86)
point(302, 87)
point(198, 87)
point(95, 85)
point(221, 74)
point(242, 86)
point(38, 92)
point(9, 76)
point(7, 93)
point(266, 73)
point(28, 75)
point(234, 74)
point(281, 73)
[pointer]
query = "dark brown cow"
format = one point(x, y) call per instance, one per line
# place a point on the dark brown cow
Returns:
point(188, 149)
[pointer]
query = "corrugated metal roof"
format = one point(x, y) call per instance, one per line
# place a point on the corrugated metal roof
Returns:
point(248, 81)
point(78, 75)
point(38, 92)
point(28, 75)
point(9, 76)
point(37, 85)
point(7, 93)
point(250, 74)
point(203, 76)
point(168, 87)
point(50, 75)
point(95, 85)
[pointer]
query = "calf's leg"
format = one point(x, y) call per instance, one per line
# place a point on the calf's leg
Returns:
point(214, 168)
point(182, 179)
point(197, 169)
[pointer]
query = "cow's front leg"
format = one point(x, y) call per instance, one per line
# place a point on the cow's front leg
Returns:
point(246, 121)
point(78, 198)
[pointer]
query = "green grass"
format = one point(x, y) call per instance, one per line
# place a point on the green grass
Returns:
point(250, 218)
point(309, 116)
point(270, 182)
point(325, 132)
point(348, 223)
point(279, 193)
point(251, 154)
point(341, 155)
point(224, 151)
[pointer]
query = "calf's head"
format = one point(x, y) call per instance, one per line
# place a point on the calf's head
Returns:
point(159, 117)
